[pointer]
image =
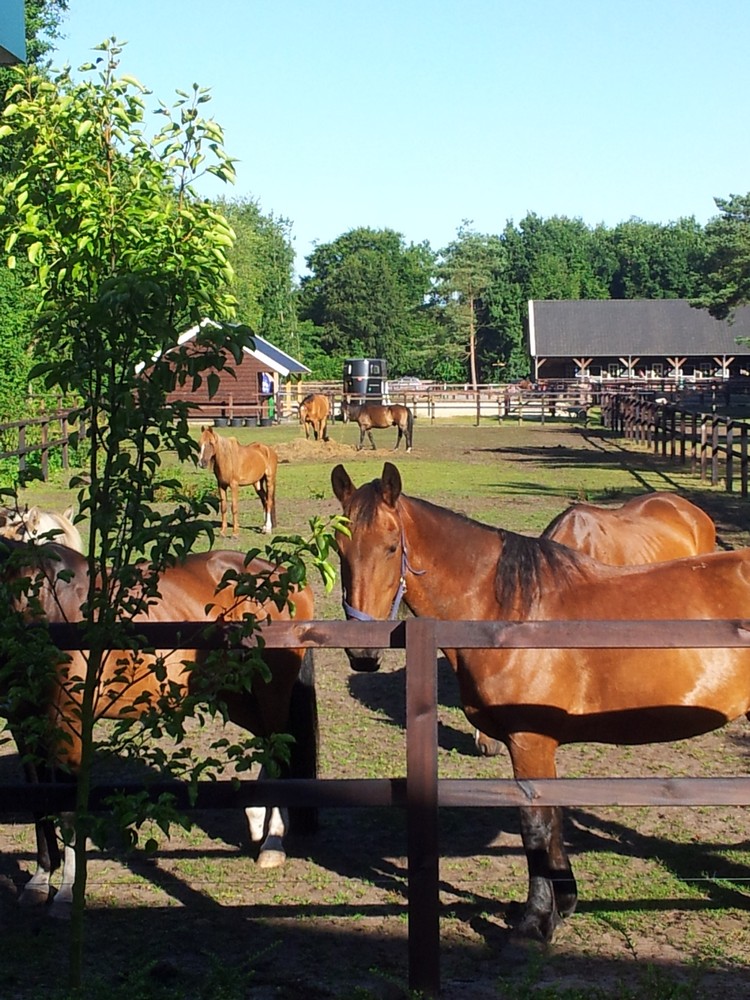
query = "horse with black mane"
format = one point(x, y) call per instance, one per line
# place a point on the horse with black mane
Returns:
point(447, 566)
point(376, 415)
point(654, 527)
point(205, 587)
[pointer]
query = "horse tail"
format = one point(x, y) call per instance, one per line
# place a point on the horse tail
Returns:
point(409, 426)
point(303, 726)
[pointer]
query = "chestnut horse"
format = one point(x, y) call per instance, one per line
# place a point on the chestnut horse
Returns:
point(369, 415)
point(314, 411)
point(236, 465)
point(447, 566)
point(651, 528)
point(193, 590)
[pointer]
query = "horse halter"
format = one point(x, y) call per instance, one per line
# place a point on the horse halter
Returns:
point(406, 567)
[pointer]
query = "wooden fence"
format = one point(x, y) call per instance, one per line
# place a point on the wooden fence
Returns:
point(39, 436)
point(421, 793)
point(715, 447)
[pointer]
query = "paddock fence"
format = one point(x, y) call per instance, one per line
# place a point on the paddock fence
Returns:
point(715, 447)
point(421, 792)
point(37, 438)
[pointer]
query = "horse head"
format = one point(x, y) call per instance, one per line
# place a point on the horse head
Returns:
point(372, 554)
point(207, 448)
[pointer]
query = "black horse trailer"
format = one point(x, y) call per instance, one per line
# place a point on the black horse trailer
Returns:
point(364, 379)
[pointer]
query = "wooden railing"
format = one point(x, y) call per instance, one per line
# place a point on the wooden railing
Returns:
point(716, 448)
point(54, 433)
point(421, 792)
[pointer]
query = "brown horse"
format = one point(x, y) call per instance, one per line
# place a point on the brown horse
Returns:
point(236, 465)
point(651, 528)
point(314, 411)
point(369, 415)
point(131, 684)
point(654, 527)
point(448, 566)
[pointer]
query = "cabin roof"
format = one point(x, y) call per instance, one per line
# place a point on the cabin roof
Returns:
point(266, 352)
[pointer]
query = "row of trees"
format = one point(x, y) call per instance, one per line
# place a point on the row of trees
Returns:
point(458, 314)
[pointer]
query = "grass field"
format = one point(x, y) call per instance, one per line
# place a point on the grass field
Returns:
point(665, 893)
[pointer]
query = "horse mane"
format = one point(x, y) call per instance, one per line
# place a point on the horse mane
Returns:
point(525, 565)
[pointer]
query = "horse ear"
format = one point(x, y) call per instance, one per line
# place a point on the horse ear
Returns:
point(390, 484)
point(68, 513)
point(32, 518)
point(343, 487)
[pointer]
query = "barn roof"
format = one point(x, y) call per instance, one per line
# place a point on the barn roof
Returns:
point(617, 327)
point(266, 352)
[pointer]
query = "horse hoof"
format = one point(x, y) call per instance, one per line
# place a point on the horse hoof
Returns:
point(531, 924)
point(271, 859)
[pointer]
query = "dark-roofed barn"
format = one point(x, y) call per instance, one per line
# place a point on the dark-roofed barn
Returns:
point(632, 338)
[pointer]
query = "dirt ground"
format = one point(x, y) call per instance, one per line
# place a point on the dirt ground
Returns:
point(664, 893)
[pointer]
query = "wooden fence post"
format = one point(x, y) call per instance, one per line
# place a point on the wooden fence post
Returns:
point(422, 809)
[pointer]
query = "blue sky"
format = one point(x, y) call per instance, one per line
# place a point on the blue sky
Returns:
point(417, 115)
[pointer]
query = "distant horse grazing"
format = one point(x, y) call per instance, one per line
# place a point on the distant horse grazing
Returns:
point(236, 465)
point(369, 415)
point(314, 411)
point(189, 591)
point(447, 566)
point(36, 525)
point(651, 528)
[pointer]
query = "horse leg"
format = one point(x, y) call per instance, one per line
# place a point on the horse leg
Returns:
point(361, 438)
point(372, 439)
point(268, 828)
point(552, 888)
point(223, 509)
point(486, 746)
point(235, 511)
point(263, 489)
point(398, 438)
point(62, 902)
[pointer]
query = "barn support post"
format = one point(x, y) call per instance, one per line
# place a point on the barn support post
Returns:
point(743, 460)
point(422, 806)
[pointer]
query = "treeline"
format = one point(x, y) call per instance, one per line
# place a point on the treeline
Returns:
point(458, 313)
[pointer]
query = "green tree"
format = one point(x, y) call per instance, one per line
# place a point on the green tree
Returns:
point(262, 259)
point(655, 261)
point(366, 294)
point(126, 256)
point(727, 264)
point(467, 270)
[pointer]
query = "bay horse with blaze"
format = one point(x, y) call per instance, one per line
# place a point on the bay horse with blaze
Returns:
point(447, 566)
point(314, 411)
point(205, 587)
point(654, 527)
point(376, 415)
point(236, 465)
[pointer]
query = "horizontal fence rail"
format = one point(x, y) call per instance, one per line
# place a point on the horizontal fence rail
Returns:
point(421, 793)
point(716, 447)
